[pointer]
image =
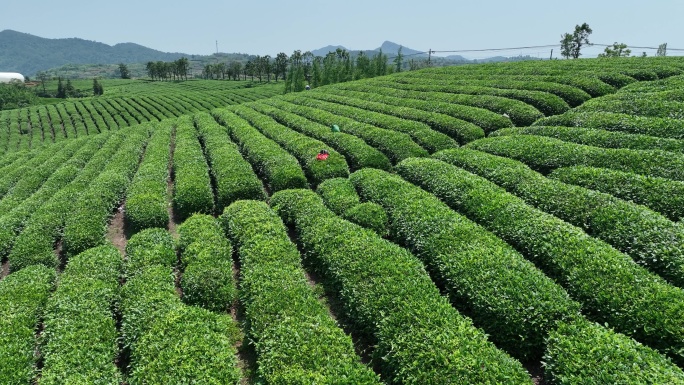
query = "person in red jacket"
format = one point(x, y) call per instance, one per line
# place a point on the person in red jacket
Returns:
point(322, 155)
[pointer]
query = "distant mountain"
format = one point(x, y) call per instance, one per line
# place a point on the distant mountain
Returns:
point(28, 54)
point(324, 51)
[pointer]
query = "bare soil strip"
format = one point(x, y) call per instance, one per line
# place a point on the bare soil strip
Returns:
point(173, 222)
point(116, 231)
point(5, 269)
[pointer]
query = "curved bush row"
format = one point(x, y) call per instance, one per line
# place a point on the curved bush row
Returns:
point(86, 224)
point(598, 138)
point(545, 102)
point(35, 244)
point(13, 222)
point(487, 120)
point(355, 150)
point(665, 196)
point(340, 197)
point(610, 286)
point(279, 169)
point(81, 346)
point(396, 145)
point(296, 340)
point(660, 127)
point(301, 146)
point(637, 105)
point(207, 262)
point(589, 84)
point(674, 83)
point(23, 296)
point(486, 278)
point(420, 133)
point(168, 341)
point(460, 130)
point(233, 176)
point(36, 158)
point(146, 198)
point(419, 338)
point(520, 113)
point(545, 154)
point(572, 95)
point(582, 352)
point(192, 190)
point(652, 240)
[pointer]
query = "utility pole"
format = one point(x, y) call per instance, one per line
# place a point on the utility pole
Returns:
point(216, 47)
point(429, 63)
point(551, 57)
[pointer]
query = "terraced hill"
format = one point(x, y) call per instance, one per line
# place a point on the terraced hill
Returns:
point(507, 223)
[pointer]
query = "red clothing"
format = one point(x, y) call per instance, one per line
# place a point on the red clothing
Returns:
point(322, 156)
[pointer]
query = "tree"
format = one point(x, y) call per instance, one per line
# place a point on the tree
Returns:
point(617, 50)
point(398, 60)
point(124, 72)
point(280, 65)
point(97, 88)
point(571, 45)
point(69, 89)
point(43, 77)
point(61, 91)
point(662, 50)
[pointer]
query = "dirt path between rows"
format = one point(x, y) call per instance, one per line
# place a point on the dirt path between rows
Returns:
point(116, 231)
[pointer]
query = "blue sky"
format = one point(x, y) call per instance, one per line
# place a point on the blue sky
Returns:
point(268, 26)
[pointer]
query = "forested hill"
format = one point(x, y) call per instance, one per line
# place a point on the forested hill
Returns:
point(28, 54)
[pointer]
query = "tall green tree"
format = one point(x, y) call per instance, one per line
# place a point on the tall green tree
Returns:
point(280, 65)
point(61, 91)
point(97, 87)
point(617, 50)
point(662, 50)
point(398, 60)
point(571, 44)
point(124, 72)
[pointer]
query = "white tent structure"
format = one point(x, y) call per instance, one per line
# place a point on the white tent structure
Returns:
point(6, 77)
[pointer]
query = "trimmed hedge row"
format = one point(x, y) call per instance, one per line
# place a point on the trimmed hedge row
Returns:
point(341, 198)
point(207, 262)
point(36, 158)
point(12, 223)
point(32, 179)
point(610, 286)
point(23, 296)
point(389, 298)
point(45, 227)
point(665, 196)
point(296, 340)
point(86, 224)
point(545, 154)
point(192, 190)
point(637, 105)
point(301, 146)
point(233, 176)
point(81, 346)
point(168, 341)
point(280, 169)
point(460, 130)
point(485, 278)
point(419, 132)
point(652, 240)
point(545, 102)
point(572, 95)
point(660, 127)
point(396, 145)
point(583, 352)
point(146, 198)
point(520, 113)
point(355, 150)
point(598, 138)
point(487, 120)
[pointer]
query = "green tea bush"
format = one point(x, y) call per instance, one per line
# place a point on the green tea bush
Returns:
point(652, 240)
point(280, 169)
point(419, 337)
point(296, 340)
point(192, 191)
point(594, 274)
